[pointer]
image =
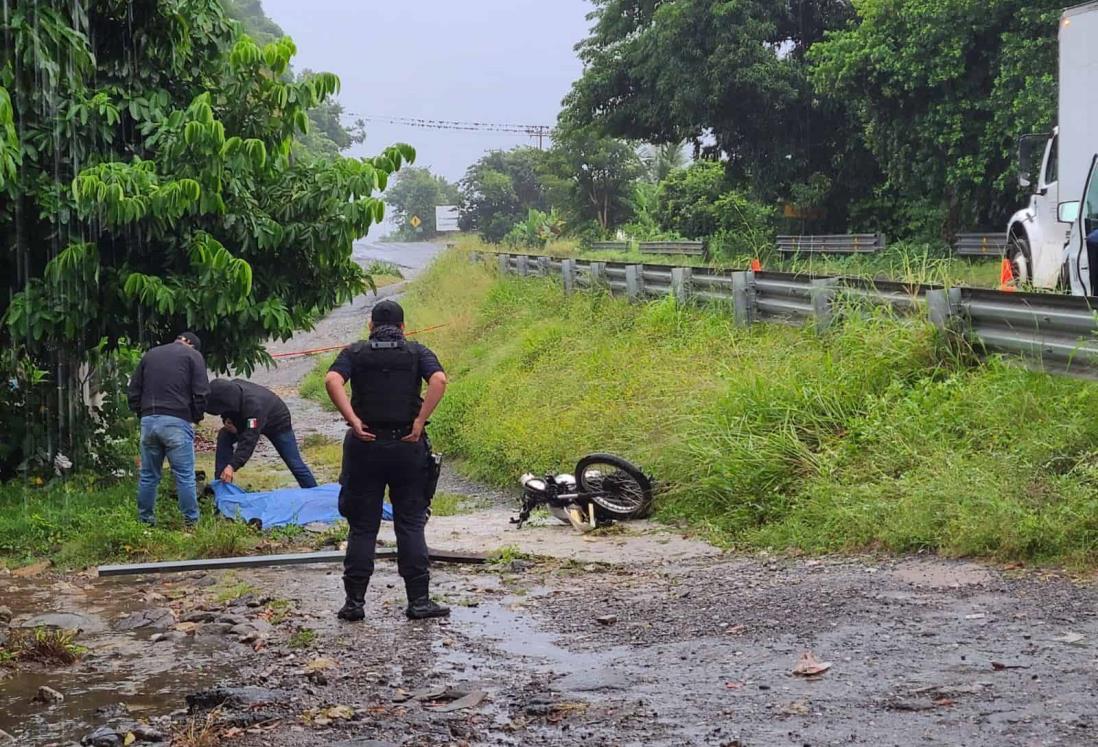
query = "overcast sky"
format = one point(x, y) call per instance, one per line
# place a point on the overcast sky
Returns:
point(469, 60)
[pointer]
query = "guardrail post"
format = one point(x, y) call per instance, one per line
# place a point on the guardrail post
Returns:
point(743, 297)
point(634, 281)
point(504, 263)
point(823, 293)
point(543, 266)
point(598, 273)
point(944, 309)
point(680, 283)
point(568, 274)
point(523, 265)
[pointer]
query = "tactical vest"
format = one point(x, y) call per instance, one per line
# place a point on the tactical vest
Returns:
point(385, 382)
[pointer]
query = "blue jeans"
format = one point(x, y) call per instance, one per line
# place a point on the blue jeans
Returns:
point(165, 435)
point(285, 444)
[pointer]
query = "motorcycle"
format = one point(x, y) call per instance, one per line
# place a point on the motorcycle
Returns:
point(605, 488)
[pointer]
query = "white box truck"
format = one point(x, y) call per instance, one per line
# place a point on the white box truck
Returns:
point(1039, 244)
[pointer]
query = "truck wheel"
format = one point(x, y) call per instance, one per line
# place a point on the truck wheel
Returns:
point(1017, 251)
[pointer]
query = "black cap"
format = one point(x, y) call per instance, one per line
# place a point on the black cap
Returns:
point(387, 312)
point(192, 338)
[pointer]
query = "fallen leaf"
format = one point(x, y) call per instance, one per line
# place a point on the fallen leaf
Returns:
point(320, 664)
point(130, 738)
point(809, 666)
point(342, 712)
point(1069, 637)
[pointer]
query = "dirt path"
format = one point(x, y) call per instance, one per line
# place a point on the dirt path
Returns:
point(644, 637)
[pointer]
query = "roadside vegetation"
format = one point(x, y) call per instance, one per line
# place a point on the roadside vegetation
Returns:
point(904, 262)
point(875, 436)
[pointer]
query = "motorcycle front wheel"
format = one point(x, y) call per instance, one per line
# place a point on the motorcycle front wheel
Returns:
point(618, 487)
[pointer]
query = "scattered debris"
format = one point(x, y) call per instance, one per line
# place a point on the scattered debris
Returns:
point(47, 694)
point(809, 666)
point(999, 666)
point(1070, 637)
point(606, 619)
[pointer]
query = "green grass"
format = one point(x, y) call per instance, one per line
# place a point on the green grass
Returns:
point(381, 269)
point(451, 504)
point(303, 638)
point(873, 436)
point(82, 521)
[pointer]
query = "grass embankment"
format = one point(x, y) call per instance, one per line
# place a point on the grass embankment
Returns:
point(873, 436)
point(904, 262)
point(81, 521)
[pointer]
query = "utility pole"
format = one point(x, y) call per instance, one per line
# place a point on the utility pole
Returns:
point(540, 132)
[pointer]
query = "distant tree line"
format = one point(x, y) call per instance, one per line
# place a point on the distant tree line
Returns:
point(899, 116)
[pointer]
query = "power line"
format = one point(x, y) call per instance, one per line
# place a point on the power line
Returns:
point(540, 132)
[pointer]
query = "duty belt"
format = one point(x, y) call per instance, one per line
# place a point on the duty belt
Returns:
point(390, 434)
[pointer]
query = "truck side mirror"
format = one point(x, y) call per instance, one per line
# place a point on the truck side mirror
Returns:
point(1067, 212)
point(1024, 180)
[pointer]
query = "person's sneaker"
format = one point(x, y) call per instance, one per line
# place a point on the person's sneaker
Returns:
point(423, 608)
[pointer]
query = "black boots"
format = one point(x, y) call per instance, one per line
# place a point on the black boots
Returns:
point(352, 610)
point(420, 606)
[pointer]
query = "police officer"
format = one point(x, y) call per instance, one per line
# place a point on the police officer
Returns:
point(386, 447)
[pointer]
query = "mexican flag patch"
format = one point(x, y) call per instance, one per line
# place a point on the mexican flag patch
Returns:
point(252, 423)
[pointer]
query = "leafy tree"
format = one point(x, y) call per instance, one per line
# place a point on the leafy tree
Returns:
point(149, 185)
point(591, 177)
point(499, 190)
point(417, 192)
point(686, 202)
point(698, 203)
point(660, 160)
point(729, 75)
point(943, 90)
point(327, 136)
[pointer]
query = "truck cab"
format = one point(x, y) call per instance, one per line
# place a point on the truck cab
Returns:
point(1035, 236)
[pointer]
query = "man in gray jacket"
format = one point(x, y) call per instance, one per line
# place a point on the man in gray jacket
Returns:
point(168, 391)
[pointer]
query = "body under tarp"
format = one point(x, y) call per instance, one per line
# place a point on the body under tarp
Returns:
point(283, 507)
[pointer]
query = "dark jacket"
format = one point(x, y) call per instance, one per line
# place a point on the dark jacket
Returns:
point(170, 380)
point(253, 409)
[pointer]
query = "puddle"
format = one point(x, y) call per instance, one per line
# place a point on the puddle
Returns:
point(514, 633)
point(120, 667)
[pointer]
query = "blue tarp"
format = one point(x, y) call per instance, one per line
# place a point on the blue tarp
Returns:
point(283, 507)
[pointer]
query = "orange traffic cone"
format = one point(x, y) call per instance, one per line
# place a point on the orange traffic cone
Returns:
point(756, 265)
point(1006, 277)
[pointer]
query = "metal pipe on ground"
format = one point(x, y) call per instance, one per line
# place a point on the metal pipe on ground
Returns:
point(264, 561)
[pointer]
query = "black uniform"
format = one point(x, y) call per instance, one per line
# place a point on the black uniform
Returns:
point(386, 374)
point(254, 410)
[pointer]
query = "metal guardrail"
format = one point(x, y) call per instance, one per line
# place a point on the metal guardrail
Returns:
point(850, 243)
point(980, 244)
point(690, 248)
point(610, 246)
point(1054, 333)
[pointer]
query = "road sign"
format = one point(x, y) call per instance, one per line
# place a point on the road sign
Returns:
point(446, 218)
point(415, 221)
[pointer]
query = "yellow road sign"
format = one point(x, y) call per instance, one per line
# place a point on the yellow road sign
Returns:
point(415, 221)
